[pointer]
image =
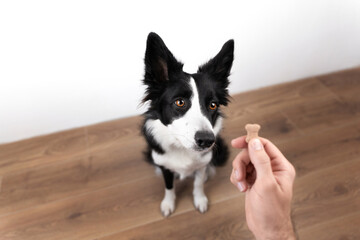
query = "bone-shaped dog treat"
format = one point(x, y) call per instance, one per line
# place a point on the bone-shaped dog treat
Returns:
point(252, 131)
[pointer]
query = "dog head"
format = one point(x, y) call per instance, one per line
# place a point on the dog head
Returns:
point(186, 104)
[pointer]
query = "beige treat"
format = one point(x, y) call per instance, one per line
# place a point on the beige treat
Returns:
point(252, 131)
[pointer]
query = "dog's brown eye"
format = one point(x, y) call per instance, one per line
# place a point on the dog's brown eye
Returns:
point(213, 106)
point(180, 102)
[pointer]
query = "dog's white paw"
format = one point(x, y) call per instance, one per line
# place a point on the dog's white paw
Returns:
point(167, 206)
point(201, 203)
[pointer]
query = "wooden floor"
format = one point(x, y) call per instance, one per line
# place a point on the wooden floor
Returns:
point(91, 182)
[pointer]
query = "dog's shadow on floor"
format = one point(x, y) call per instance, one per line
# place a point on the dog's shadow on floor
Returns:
point(184, 187)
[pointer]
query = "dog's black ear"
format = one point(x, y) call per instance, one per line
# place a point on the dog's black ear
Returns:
point(220, 65)
point(159, 61)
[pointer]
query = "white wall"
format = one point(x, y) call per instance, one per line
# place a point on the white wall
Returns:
point(65, 64)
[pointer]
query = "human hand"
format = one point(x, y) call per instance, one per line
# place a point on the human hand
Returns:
point(267, 176)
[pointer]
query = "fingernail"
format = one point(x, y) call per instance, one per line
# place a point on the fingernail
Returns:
point(237, 175)
point(240, 186)
point(257, 145)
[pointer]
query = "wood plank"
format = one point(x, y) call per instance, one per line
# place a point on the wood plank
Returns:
point(116, 132)
point(320, 150)
point(77, 218)
point(274, 126)
point(45, 169)
point(119, 207)
point(321, 115)
point(226, 220)
point(343, 227)
point(345, 85)
point(101, 169)
point(42, 150)
point(65, 145)
point(327, 193)
point(278, 97)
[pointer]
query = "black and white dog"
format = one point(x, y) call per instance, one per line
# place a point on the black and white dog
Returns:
point(183, 121)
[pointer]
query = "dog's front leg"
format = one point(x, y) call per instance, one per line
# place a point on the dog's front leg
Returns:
point(168, 203)
point(200, 200)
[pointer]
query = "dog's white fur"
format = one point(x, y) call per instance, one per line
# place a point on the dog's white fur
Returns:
point(168, 203)
point(181, 157)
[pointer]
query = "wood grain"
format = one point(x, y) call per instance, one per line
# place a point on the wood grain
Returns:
point(326, 193)
point(321, 115)
point(274, 126)
point(113, 133)
point(317, 151)
point(226, 220)
point(340, 228)
point(119, 207)
point(276, 98)
point(42, 150)
point(101, 169)
point(92, 182)
point(345, 85)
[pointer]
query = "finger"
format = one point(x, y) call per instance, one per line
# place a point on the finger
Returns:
point(270, 148)
point(276, 155)
point(239, 169)
point(260, 158)
point(240, 163)
point(242, 185)
point(239, 142)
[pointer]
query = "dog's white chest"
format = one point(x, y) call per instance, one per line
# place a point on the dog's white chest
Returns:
point(182, 162)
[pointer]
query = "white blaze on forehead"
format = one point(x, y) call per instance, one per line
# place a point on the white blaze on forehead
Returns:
point(195, 114)
point(218, 125)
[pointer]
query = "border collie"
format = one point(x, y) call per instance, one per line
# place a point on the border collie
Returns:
point(183, 121)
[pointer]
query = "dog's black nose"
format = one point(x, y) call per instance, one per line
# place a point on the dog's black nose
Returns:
point(204, 139)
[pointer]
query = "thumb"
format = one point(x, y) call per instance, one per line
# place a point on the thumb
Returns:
point(259, 158)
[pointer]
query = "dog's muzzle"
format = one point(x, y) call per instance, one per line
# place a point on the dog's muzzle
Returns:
point(204, 139)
